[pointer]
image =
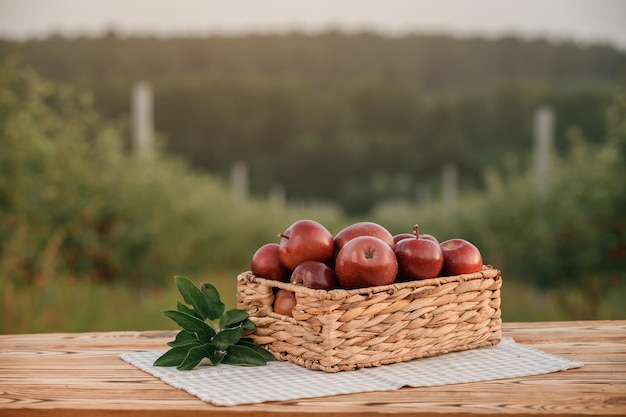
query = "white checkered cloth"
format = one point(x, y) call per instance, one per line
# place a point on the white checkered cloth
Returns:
point(278, 381)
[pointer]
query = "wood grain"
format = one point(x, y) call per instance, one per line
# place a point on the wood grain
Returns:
point(80, 374)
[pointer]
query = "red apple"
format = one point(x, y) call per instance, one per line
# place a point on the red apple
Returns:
point(363, 229)
point(284, 301)
point(429, 237)
point(266, 264)
point(460, 257)
point(400, 236)
point(305, 240)
point(315, 275)
point(366, 261)
point(418, 258)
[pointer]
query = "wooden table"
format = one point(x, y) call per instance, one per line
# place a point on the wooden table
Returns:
point(80, 374)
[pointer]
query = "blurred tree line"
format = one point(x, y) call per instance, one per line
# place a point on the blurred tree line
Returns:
point(352, 119)
point(75, 203)
point(570, 242)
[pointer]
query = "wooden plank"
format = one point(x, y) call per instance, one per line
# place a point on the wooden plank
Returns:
point(81, 375)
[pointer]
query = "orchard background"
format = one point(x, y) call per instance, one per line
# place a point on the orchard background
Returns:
point(350, 126)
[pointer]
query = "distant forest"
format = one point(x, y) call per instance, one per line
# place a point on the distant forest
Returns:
point(353, 119)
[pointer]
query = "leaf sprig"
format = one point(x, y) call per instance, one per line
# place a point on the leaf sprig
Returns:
point(209, 335)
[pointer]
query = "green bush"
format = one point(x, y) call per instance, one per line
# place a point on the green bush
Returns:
point(577, 234)
point(571, 242)
point(74, 202)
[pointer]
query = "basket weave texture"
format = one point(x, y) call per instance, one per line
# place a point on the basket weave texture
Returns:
point(342, 330)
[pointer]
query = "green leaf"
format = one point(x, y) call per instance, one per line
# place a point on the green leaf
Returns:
point(199, 343)
point(267, 355)
point(183, 338)
point(184, 309)
point(248, 324)
point(233, 318)
point(227, 337)
point(196, 354)
point(216, 307)
point(194, 297)
point(242, 355)
point(218, 357)
point(191, 324)
point(174, 356)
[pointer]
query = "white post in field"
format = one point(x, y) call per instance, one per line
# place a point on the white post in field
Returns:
point(544, 132)
point(142, 119)
point(449, 187)
point(423, 195)
point(239, 181)
point(277, 196)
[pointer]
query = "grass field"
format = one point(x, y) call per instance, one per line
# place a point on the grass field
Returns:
point(66, 305)
point(76, 306)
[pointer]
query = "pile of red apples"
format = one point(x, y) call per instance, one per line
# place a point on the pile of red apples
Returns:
point(364, 254)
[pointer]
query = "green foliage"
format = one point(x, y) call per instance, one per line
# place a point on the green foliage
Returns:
point(336, 144)
point(68, 304)
point(435, 63)
point(209, 336)
point(381, 115)
point(74, 202)
point(572, 241)
point(577, 234)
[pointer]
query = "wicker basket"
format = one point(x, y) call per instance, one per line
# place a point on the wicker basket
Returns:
point(343, 330)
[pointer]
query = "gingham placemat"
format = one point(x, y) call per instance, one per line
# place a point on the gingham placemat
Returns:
point(232, 385)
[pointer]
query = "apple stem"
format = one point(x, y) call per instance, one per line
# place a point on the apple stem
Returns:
point(416, 231)
point(281, 235)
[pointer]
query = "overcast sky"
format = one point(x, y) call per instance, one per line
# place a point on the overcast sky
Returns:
point(578, 20)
